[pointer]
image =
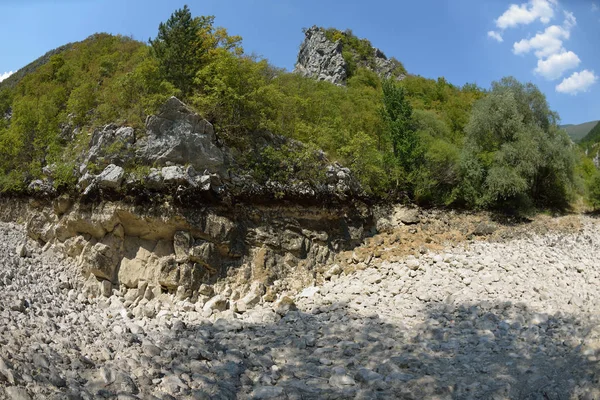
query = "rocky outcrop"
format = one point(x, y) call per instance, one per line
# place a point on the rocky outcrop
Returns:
point(179, 249)
point(177, 135)
point(322, 59)
point(178, 154)
point(146, 219)
point(111, 145)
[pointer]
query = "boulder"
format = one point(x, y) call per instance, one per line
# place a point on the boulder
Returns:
point(253, 296)
point(100, 261)
point(177, 135)
point(284, 305)
point(173, 274)
point(110, 145)
point(139, 262)
point(203, 252)
point(182, 242)
point(111, 177)
point(175, 175)
point(217, 303)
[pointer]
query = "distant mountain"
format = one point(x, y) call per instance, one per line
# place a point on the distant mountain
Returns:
point(578, 132)
point(593, 135)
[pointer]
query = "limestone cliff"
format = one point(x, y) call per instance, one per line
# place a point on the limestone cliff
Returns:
point(328, 60)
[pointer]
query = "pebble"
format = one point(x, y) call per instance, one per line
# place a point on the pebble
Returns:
point(484, 320)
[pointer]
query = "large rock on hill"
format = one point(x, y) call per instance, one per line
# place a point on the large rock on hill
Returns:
point(322, 59)
point(177, 135)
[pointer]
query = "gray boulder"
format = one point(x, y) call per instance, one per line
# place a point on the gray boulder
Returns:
point(177, 135)
point(110, 145)
point(111, 177)
point(175, 175)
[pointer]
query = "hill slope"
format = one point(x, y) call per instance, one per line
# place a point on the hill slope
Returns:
point(593, 135)
point(12, 80)
point(579, 131)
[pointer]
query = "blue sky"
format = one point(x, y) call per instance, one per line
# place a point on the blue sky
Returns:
point(551, 43)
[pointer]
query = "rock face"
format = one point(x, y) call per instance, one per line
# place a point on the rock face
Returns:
point(322, 59)
point(111, 145)
point(177, 135)
point(181, 248)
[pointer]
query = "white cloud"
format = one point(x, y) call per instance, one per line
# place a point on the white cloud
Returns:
point(5, 75)
point(548, 42)
point(527, 13)
point(578, 82)
point(553, 60)
point(544, 43)
point(495, 35)
point(557, 64)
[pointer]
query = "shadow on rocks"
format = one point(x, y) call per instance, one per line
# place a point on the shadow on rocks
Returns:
point(465, 351)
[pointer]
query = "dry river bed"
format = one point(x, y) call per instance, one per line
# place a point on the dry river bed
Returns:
point(517, 319)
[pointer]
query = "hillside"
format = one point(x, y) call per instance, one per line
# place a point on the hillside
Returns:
point(12, 80)
point(579, 131)
point(593, 136)
point(404, 137)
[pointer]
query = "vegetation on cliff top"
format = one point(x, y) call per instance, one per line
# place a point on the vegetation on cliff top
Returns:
point(418, 139)
point(359, 53)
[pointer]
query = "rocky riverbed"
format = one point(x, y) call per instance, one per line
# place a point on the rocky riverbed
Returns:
point(511, 319)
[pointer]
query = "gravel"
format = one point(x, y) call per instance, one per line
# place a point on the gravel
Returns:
point(512, 320)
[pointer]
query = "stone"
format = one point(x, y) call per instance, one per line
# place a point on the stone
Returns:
point(177, 135)
point(111, 177)
point(101, 260)
point(110, 145)
point(175, 175)
point(182, 241)
point(322, 59)
point(368, 376)
point(17, 393)
point(412, 264)
point(22, 251)
point(206, 290)
point(408, 216)
point(218, 303)
point(341, 381)
point(484, 229)
point(309, 292)
point(106, 288)
point(284, 305)
point(6, 372)
point(333, 271)
point(266, 392)
point(203, 253)
point(254, 295)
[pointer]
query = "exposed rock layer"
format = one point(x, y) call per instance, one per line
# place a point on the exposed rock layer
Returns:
point(174, 247)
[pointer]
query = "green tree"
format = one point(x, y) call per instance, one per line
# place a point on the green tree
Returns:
point(185, 43)
point(515, 155)
point(397, 115)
